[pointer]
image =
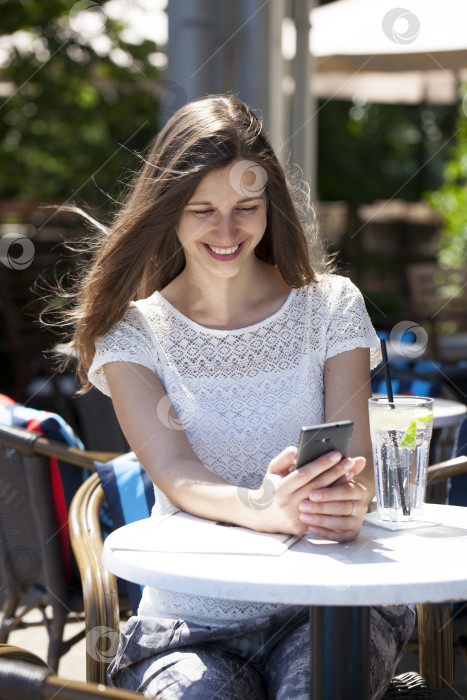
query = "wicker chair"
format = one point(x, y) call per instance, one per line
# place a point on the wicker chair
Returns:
point(101, 602)
point(30, 556)
point(102, 612)
point(24, 676)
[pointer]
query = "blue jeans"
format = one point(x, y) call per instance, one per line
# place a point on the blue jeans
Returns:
point(259, 659)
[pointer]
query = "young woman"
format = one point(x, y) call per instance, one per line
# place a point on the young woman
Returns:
point(208, 297)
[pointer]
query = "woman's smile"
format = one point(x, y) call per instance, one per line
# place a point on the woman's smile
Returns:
point(224, 253)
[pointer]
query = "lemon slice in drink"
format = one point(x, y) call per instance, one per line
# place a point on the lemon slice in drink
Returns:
point(410, 438)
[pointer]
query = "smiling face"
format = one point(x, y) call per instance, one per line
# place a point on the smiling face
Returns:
point(220, 227)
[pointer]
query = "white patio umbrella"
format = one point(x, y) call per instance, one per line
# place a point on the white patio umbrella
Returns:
point(383, 53)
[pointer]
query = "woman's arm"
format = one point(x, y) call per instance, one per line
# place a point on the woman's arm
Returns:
point(162, 447)
point(329, 511)
point(347, 388)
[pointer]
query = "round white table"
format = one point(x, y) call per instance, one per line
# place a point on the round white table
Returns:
point(423, 564)
point(447, 417)
point(447, 413)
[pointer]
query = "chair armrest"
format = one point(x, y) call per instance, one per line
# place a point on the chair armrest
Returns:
point(101, 606)
point(21, 678)
point(444, 470)
point(12, 653)
point(28, 442)
point(80, 458)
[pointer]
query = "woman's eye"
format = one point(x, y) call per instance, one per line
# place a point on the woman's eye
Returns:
point(247, 210)
point(202, 212)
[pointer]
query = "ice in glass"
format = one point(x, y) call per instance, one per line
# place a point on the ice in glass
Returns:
point(400, 435)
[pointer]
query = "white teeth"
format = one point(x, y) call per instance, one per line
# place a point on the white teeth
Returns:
point(223, 251)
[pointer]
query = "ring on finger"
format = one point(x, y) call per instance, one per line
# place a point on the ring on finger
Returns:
point(352, 512)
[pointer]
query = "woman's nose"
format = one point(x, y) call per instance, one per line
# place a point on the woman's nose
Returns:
point(226, 226)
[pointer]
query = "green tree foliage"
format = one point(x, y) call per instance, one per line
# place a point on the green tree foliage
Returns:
point(372, 151)
point(77, 107)
point(450, 200)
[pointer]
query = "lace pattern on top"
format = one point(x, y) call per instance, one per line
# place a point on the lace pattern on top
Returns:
point(241, 395)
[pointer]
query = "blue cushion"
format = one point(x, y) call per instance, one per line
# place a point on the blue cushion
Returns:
point(130, 496)
point(417, 379)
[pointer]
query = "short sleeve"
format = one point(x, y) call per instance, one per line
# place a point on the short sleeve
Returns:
point(129, 340)
point(350, 326)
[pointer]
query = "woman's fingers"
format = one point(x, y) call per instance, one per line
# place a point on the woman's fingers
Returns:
point(329, 502)
point(342, 472)
point(282, 462)
point(322, 472)
point(343, 509)
point(358, 466)
point(335, 535)
point(339, 492)
point(336, 512)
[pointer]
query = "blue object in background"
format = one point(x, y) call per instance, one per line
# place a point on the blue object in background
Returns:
point(130, 496)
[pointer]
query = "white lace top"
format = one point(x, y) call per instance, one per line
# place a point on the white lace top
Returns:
point(241, 395)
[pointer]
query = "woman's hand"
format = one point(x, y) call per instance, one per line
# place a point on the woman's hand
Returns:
point(280, 503)
point(336, 512)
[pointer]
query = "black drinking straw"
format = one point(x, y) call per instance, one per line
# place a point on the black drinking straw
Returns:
point(392, 433)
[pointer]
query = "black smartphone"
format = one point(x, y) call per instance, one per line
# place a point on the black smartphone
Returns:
point(316, 440)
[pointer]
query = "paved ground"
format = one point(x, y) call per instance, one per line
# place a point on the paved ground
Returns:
point(34, 638)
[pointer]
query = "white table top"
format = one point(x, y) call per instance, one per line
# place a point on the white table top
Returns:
point(447, 413)
point(426, 564)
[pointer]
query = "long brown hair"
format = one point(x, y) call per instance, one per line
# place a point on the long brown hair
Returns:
point(141, 252)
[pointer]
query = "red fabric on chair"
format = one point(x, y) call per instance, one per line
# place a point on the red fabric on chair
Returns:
point(64, 478)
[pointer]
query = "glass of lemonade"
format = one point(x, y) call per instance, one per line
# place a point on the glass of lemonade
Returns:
point(400, 435)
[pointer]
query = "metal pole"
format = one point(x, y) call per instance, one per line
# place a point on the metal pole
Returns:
point(302, 139)
point(340, 653)
point(191, 51)
point(275, 116)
